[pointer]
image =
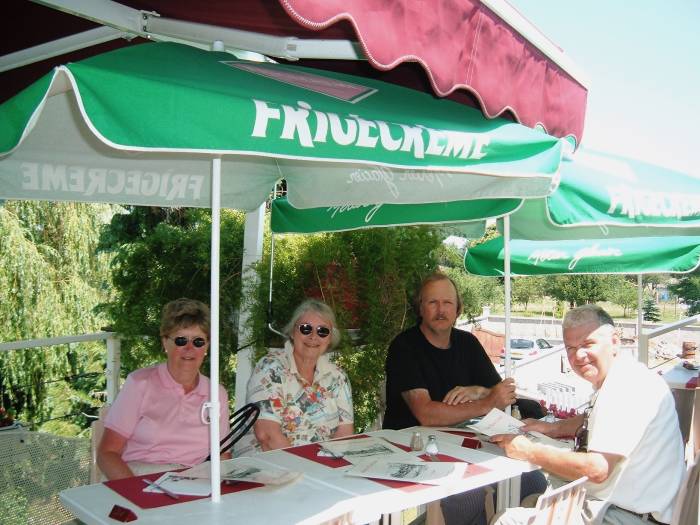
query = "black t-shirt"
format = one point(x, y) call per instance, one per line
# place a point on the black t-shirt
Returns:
point(412, 362)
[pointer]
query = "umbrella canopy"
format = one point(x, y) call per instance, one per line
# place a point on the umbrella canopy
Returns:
point(601, 195)
point(604, 256)
point(482, 53)
point(170, 125)
point(465, 216)
point(110, 128)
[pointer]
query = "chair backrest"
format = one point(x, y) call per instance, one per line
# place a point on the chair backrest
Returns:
point(561, 506)
point(242, 420)
point(686, 510)
point(97, 428)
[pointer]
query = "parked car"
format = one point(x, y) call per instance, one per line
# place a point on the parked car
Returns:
point(520, 347)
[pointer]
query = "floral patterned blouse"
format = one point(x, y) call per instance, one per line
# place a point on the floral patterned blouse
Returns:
point(306, 412)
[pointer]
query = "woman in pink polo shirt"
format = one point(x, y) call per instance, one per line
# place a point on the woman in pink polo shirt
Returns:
point(154, 424)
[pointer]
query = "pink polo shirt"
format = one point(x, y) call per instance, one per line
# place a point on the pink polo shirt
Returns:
point(160, 422)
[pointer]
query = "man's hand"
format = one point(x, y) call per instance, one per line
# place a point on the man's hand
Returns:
point(503, 394)
point(542, 427)
point(463, 394)
point(514, 445)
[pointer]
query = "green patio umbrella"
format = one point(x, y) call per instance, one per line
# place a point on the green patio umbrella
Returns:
point(164, 124)
point(580, 256)
point(464, 217)
point(336, 139)
point(601, 195)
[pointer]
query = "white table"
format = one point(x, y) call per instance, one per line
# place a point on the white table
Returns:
point(324, 493)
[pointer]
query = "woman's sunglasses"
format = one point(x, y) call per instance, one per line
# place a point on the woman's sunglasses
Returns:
point(321, 331)
point(181, 340)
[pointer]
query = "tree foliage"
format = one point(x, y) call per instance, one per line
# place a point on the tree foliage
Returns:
point(651, 310)
point(527, 289)
point(688, 289)
point(622, 292)
point(50, 283)
point(578, 289)
point(367, 277)
point(161, 254)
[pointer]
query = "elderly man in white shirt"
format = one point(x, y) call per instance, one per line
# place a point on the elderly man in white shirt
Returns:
point(628, 441)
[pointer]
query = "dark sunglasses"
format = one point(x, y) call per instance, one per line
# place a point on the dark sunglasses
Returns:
point(181, 340)
point(321, 331)
point(581, 437)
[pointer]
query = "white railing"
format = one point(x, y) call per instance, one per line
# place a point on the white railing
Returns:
point(113, 362)
point(646, 335)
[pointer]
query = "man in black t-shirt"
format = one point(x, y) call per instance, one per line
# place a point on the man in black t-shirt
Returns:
point(437, 375)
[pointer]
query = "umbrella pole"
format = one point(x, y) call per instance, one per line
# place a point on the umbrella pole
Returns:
point(213, 405)
point(640, 315)
point(506, 270)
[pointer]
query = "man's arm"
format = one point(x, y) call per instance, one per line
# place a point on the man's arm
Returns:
point(437, 413)
point(597, 466)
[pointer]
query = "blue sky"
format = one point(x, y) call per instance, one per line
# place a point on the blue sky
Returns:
point(642, 60)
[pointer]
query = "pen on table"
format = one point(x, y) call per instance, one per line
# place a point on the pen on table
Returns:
point(165, 491)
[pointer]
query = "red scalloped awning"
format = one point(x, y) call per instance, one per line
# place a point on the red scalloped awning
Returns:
point(467, 53)
point(461, 45)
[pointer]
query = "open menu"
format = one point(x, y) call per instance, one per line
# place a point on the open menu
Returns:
point(414, 470)
point(356, 450)
point(498, 422)
point(180, 483)
point(245, 469)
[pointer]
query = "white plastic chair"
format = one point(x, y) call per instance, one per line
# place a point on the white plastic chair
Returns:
point(561, 506)
point(686, 510)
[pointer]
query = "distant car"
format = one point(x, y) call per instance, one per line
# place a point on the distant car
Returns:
point(520, 348)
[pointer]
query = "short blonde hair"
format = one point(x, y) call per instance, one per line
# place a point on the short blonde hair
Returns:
point(183, 313)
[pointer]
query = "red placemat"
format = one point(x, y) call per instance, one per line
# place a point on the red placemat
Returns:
point(132, 489)
point(470, 440)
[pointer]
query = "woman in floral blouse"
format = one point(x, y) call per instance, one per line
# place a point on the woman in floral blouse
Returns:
point(302, 396)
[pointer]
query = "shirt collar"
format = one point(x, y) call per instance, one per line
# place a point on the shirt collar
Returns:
point(323, 365)
point(168, 382)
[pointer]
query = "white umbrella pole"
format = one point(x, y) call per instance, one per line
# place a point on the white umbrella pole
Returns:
point(506, 270)
point(214, 437)
point(640, 313)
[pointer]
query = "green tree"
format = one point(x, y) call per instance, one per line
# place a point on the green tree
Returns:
point(50, 283)
point(688, 289)
point(368, 277)
point(622, 292)
point(161, 254)
point(578, 289)
point(651, 310)
point(527, 289)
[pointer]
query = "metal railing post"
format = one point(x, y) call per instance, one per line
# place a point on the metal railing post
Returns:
point(112, 366)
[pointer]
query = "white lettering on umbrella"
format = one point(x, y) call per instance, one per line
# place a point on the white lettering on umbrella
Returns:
point(373, 209)
point(646, 203)
point(354, 130)
point(593, 251)
point(378, 174)
point(544, 255)
point(87, 182)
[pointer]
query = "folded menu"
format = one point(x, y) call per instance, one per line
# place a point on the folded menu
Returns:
point(498, 422)
point(246, 469)
point(354, 450)
point(180, 483)
point(415, 471)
